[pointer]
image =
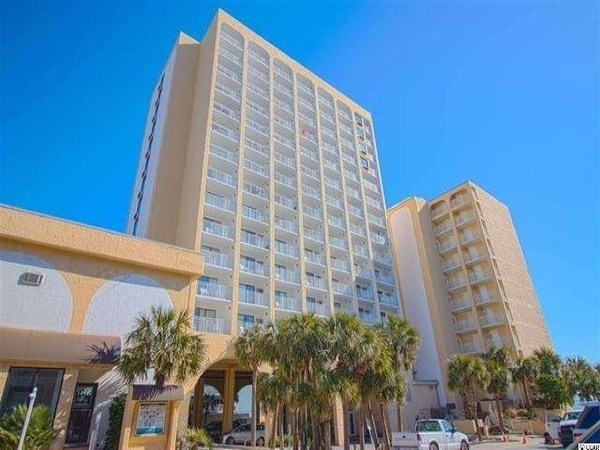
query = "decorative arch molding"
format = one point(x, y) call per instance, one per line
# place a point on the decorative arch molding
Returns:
point(120, 300)
point(47, 305)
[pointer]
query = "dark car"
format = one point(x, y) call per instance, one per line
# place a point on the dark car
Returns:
point(588, 418)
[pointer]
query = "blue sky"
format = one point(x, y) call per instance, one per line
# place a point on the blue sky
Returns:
point(506, 94)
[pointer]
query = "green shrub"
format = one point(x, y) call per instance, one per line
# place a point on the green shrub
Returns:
point(193, 438)
point(39, 431)
point(115, 422)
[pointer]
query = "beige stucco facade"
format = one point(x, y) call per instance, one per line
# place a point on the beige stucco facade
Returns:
point(465, 283)
point(93, 285)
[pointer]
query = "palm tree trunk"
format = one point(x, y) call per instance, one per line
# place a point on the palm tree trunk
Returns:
point(500, 419)
point(294, 419)
point(315, 428)
point(526, 394)
point(327, 434)
point(281, 428)
point(361, 427)
point(346, 427)
point(374, 435)
point(386, 430)
point(253, 425)
point(273, 436)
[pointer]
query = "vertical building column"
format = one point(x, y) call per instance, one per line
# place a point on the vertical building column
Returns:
point(63, 408)
point(228, 398)
point(198, 413)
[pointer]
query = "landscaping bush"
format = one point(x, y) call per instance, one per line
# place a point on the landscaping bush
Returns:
point(115, 422)
point(39, 431)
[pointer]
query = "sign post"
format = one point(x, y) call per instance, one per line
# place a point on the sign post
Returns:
point(27, 418)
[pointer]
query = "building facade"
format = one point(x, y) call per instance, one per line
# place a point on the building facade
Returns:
point(65, 290)
point(465, 282)
point(272, 175)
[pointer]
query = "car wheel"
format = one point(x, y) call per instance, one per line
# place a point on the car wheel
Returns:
point(433, 446)
point(229, 440)
point(260, 442)
point(464, 445)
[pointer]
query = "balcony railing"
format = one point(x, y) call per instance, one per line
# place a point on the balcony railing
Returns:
point(382, 258)
point(217, 259)
point(467, 238)
point(464, 325)
point(254, 268)
point(464, 218)
point(331, 165)
point(255, 214)
point(255, 240)
point(285, 201)
point(230, 56)
point(334, 201)
point(253, 298)
point(316, 258)
point(286, 275)
point(257, 147)
point(213, 290)
point(470, 347)
point(315, 235)
point(315, 213)
point(217, 229)
point(445, 246)
point(472, 257)
point(311, 192)
point(211, 325)
point(229, 73)
point(439, 229)
point(477, 277)
point(457, 305)
point(448, 265)
point(256, 167)
point(288, 304)
point(490, 321)
point(284, 105)
point(358, 230)
point(365, 295)
point(258, 57)
point(388, 299)
point(484, 299)
point(459, 201)
point(379, 239)
point(364, 272)
point(286, 249)
point(226, 111)
point(360, 250)
point(342, 289)
point(318, 309)
point(224, 154)
point(287, 225)
point(256, 126)
point(257, 73)
point(259, 91)
point(385, 278)
point(222, 177)
point(455, 283)
point(307, 118)
point(340, 265)
point(254, 106)
point(376, 220)
point(337, 222)
point(317, 283)
point(235, 42)
point(256, 190)
point(224, 131)
point(338, 242)
point(228, 91)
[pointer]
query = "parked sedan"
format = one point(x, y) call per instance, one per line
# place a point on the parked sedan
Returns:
point(243, 435)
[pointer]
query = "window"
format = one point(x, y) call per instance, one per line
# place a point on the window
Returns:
point(81, 413)
point(245, 320)
point(362, 147)
point(203, 312)
point(360, 133)
point(247, 293)
point(359, 119)
point(364, 162)
point(22, 380)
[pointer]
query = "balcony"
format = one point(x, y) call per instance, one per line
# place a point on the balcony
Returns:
point(257, 168)
point(235, 95)
point(306, 104)
point(233, 41)
point(333, 184)
point(307, 119)
point(253, 298)
point(445, 246)
point(478, 277)
point(464, 325)
point(373, 203)
point(376, 220)
point(256, 190)
point(288, 304)
point(285, 106)
point(341, 265)
point(315, 213)
point(311, 192)
point(211, 325)
point(451, 264)
point(254, 268)
point(313, 156)
point(285, 160)
point(332, 149)
point(463, 218)
point(365, 295)
point(285, 249)
point(223, 154)
point(224, 131)
point(257, 126)
point(468, 238)
point(217, 229)
point(444, 227)
point(258, 74)
point(315, 258)
point(285, 180)
point(483, 299)
point(342, 289)
point(256, 240)
point(317, 283)
point(306, 89)
point(382, 258)
point(358, 230)
point(343, 307)
point(469, 347)
point(257, 107)
point(337, 222)
point(258, 57)
point(282, 73)
point(384, 278)
point(458, 201)
point(490, 321)
point(315, 235)
point(474, 257)
point(455, 284)
point(217, 259)
point(335, 202)
point(371, 186)
point(460, 304)
point(317, 308)
point(388, 299)
point(213, 290)
point(378, 239)
point(337, 242)
point(287, 225)
point(219, 202)
point(355, 211)
point(350, 175)
point(438, 211)
point(287, 275)
point(283, 89)
point(367, 319)
point(363, 272)
point(254, 214)
point(285, 201)
point(221, 177)
point(253, 145)
point(226, 111)
point(287, 124)
point(259, 91)
point(230, 56)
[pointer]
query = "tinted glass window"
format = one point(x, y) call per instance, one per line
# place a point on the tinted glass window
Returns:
point(589, 417)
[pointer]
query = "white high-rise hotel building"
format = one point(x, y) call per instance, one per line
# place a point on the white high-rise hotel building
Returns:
point(273, 175)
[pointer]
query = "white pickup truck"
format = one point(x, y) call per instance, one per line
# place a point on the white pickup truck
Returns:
point(432, 434)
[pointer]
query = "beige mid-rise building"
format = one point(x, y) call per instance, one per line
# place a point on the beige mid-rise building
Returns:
point(465, 283)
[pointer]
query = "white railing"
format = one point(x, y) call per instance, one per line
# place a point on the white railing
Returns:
point(253, 298)
point(334, 201)
point(256, 167)
point(333, 166)
point(384, 278)
point(342, 289)
point(288, 304)
point(284, 105)
point(258, 57)
point(315, 235)
point(217, 259)
point(337, 222)
point(211, 325)
point(464, 218)
point(285, 249)
point(226, 111)
point(447, 265)
point(476, 277)
point(306, 89)
point(255, 240)
point(469, 347)
point(229, 73)
point(257, 126)
point(382, 258)
point(220, 152)
point(282, 73)
point(360, 250)
point(388, 299)
point(315, 213)
point(284, 123)
point(224, 131)
point(465, 324)
point(376, 220)
point(254, 106)
point(213, 290)
point(253, 267)
point(285, 160)
point(379, 239)
point(318, 309)
point(232, 40)
point(236, 95)
point(259, 91)
point(256, 190)
point(255, 214)
point(350, 175)
point(361, 271)
point(465, 239)
point(482, 299)
point(285, 201)
point(458, 201)
point(486, 321)
point(285, 224)
point(316, 258)
point(230, 56)
point(333, 184)
point(358, 230)
point(285, 141)
point(340, 265)
point(338, 242)
point(254, 71)
point(456, 305)
point(307, 119)
point(455, 283)
point(448, 245)
point(317, 283)
point(364, 295)
point(218, 229)
point(285, 180)
point(312, 173)
point(442, 228)
point(286, 275)
point(220, 202)
point(263, 149)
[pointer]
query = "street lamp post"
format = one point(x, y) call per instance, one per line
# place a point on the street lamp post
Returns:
point(27, 418)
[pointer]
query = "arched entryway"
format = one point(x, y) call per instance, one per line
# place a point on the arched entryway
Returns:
point(222, 398)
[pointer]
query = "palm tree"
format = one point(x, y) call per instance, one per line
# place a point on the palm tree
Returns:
point(404, 339)
point(582, 380)
point(250, 352)
point(162, 340)
point(496, 364)
point(524, 371)
point(465, 375)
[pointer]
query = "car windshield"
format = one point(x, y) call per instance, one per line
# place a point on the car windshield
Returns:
point(428, 425)
point(572, 415)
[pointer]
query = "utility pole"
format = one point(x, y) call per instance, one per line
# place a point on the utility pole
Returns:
point(27, 418)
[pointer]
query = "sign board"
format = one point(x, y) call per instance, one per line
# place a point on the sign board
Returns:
point(151, 418)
